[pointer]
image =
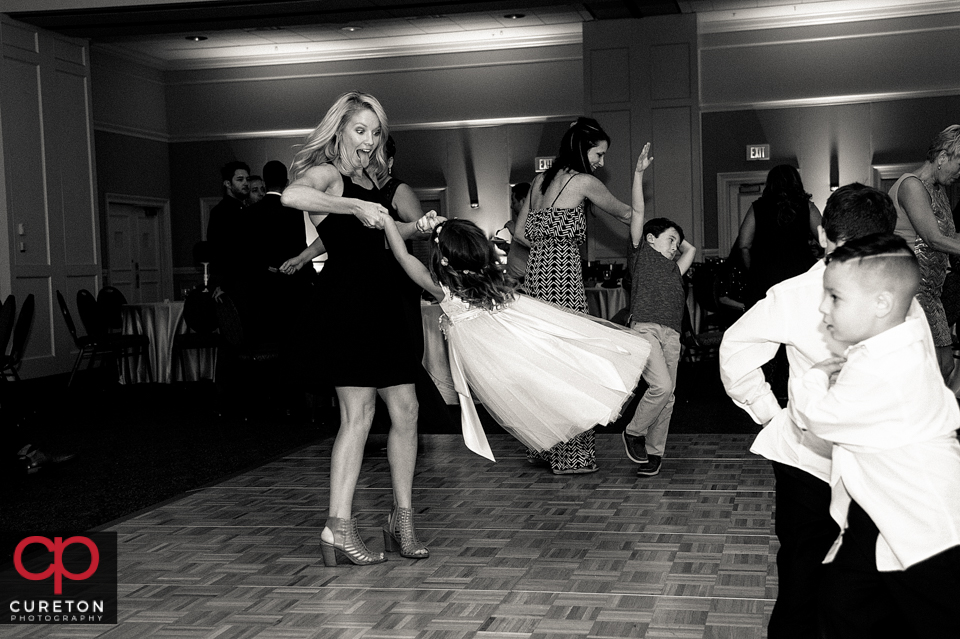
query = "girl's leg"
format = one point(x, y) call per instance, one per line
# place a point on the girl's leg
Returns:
point(402, 441)
point(356, 417)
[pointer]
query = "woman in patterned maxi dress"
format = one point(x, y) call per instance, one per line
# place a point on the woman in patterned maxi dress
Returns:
point(552, 221)
point(924, 219)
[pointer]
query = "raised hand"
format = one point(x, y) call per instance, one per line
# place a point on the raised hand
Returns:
point(644, 160)
point(430, 221)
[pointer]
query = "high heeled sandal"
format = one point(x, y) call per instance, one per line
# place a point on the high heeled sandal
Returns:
point(399, 534)
point(347, 544)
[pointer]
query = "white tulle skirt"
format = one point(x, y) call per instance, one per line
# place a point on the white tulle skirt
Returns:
point(544, 373)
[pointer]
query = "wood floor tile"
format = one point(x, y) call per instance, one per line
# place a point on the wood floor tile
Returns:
point(515, 551)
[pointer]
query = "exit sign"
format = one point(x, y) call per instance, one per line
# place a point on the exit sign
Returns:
point(542, 164)
point(758, 152)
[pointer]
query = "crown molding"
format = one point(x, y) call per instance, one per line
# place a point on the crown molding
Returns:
point(301, 133)
point(360, 49)
point(804, 14)
point(837, 100)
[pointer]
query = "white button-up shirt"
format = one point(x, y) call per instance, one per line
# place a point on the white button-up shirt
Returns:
point(790, 315)
point(893, 425)
point(787, 315)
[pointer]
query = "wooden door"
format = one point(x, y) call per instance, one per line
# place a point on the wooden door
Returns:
point(735, 193)
point(135, 245)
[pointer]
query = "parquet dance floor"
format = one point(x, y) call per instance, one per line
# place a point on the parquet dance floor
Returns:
point(516, 551)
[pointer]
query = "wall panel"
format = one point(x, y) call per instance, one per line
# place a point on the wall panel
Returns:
point(48, 182)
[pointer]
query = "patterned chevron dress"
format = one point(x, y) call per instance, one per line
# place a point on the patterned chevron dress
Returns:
point(554, 275)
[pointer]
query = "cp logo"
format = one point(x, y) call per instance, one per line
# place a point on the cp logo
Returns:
point(56, 569)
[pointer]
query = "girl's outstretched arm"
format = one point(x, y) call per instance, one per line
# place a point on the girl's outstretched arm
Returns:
point(413, 267)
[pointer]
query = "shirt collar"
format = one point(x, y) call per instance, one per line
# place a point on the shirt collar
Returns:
point(892, 339)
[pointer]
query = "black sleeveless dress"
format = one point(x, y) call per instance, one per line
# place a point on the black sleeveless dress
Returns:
point(367, 339)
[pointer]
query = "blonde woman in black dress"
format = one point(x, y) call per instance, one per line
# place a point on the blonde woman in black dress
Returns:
point(365, 347)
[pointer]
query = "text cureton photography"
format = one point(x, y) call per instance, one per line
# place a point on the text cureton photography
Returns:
point(57, 578)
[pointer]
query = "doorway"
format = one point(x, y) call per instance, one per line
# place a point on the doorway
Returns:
point(735, 193)
point(138, 248)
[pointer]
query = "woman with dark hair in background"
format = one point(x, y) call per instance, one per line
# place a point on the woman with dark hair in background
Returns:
point(553, 223)
point(776, 233)
point(924, 219)
point(775, 245)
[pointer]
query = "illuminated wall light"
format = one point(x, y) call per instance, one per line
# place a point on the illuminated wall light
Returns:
point(196, 38)
point(514, 16)
point(351, 29)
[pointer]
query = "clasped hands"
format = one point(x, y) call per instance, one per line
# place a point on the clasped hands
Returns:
point(831, 366)
point(424, 224)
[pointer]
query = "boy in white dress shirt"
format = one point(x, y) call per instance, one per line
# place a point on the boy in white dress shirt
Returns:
point(895, 477)
point(801, 461)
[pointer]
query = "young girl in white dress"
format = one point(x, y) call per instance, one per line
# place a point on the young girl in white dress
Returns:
point(544, 373)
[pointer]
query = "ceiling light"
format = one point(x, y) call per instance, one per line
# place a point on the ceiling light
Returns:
point(351, 29)
point(196, 38)
point(514, 16)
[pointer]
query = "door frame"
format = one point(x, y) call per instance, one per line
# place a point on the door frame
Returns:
point(431, 193)
point(727, 228)
point(165, 249)
point(889, 171)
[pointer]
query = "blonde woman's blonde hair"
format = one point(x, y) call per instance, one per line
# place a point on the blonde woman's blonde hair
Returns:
point(322, 146)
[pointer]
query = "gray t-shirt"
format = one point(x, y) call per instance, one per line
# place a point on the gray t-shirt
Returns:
point(657, 294)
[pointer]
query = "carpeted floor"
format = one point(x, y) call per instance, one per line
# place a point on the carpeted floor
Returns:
point(141, 445)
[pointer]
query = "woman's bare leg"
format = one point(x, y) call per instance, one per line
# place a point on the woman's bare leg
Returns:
point(402, 442)
point(357, 406)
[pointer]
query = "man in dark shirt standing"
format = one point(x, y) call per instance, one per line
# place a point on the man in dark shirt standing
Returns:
point(226, 228)
point(277, 233)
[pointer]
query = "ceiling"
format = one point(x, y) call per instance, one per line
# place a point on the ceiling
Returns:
point(109, 21)
point(174, 34)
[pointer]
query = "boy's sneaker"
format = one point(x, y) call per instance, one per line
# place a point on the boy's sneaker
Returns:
point(651, 468)
point(636, 447)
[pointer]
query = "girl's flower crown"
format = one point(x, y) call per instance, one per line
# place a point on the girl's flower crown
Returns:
point(443, 258)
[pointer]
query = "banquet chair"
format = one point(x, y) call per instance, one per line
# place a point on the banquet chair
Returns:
point(244, 364)
point(89, 312)
point(92, 346)
point(698, 346)
point(10, 363)
point(110, 302)
point(200, 319)
point(8, 315)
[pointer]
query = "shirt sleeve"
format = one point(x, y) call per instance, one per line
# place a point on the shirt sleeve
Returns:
point(751, 342)
point(861, 409)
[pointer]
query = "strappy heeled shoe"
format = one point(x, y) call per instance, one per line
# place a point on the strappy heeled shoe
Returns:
point(347, 544)
point(399, 534)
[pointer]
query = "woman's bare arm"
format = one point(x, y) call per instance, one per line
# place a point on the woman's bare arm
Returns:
point(320, 190)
